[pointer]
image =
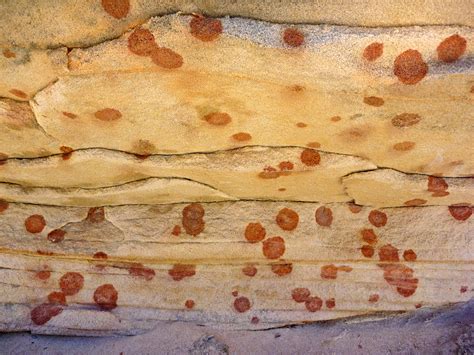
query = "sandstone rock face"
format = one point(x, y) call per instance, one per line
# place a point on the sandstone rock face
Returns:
point(245, 172)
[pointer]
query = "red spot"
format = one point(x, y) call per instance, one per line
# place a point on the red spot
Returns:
point(330, 303)
point(106, 297)
point(44, 312)
point(108, 114)
point(19, 93)
point(293, 37)
point(189, 304)
point(418, 305)
point(57, 298)
point(235, 293)
point(3, 205)
point(461, 213)
point(410, 67)
point(96, 215)
point(180, 271)
point(367, 251)
point(301, 125)
point(369, 236)
point(43, 275)
point(374, 101)
point(374, 298)
point(254, 320)
point(300, 294)
point(336, 118)
point(463, 289)
point(269, 173)
point(401, 277)
point(249, 270)
point(166, 58)
point(69, 114)
point(176, 230)
point(404, 146)
point(241, 137)
point(438, 186)
point(353, 207)
point(242, 304)
point(313, 145)
point(373, 51)
point(281, 189)
point(218, 118)
point(405, 120)
point(100, 255)
point(192, 220)
point(286, 165)
point(8, 53)
point(329, 272)
point(451, 49)
point(377, 218)
point(205, 29)
point(35, 223)
point(116, 8)
point(388, 253)
point(310, 157)
point(273, 248)
point(71, 283)
point(282, 269)
point(56, 235)
point(142, 42)
point(313, 303)
point(139, 270)
point(323, 216)
point(287, 219)
point(67, 152)
point(415, 202)
point(254, 232)
point(45, 252)
point(409, 255)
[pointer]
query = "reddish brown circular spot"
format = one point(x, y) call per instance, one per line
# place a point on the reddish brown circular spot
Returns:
point(254, 320)
point(293, 37)
point(35, 223)
point(300, 294)
point(108, 114)
point(323, 216)
point(286, 165)
point(71, 283)
point(100, 255)
point(331, 303)
point(142, 42)
point(374, 298)
point(57, 298)
point(19, 93)
point(461, 213)
point(367, 251)
point(274, 247)
point(369, 236)
point(282, 269)
point(287, 219)
point(463, 289)
point(377, 218)
point(242, 304)
point(313, 145)
point(410, 67)
point(374, 101)
point(353, 207)
point(69, 115)
point(451, 48)
point(404, 146)
point(189, 304)
point(310, 157)
point(313, 303)
point(176, 230)
point(192, 220)
point(235, 293)
point(106, 297)
point(373, 51)
point(241, 137)
point(418, 305)
point(254, 232)
point(415, 202)
point(409, 255)
point(139, 270)
point(43, 274)
point(405, 120)
point(218, 118)
point(7, 53)
point(336, 118)
point(3, 205)
point(249, 270)
point(56, 235)
point(116, 8)
point(180, 271)
point(67, 152)
point(205, 29)
point(301, 125)
point(166, 58)
point(44, 312)
point(95, 215)
point(388, 253)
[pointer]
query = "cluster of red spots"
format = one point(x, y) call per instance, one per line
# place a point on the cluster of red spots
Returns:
point(404, 146)
point(415, 202)
point(67, 152)
point(192, 219)
point(310, 157)
point(323, 216)
point(56, 235)
point(69, 115)
point(374, 298)
point(293, 37)
point(405, 120)
point(438, 186)
point(96, 215)
point(241, 137)
point(377, 218)
point(3, 205)
point(460, 212)
point(401, 277)
point(329, 272)
point(116, 8)
point(409, 67)
point(463, 289)
point(71, 283)
point(108, 114)
point(139, 270)
point(287, 219)
point(19, 93)
point(255, 232)
point(57, 297)
point(242, 304)
point(7, 53)
point(35, 223)
point(353, 207)
point(180, 271)
point(106, 297)
point(44, 312)
point(249, 270)
point(204, 28)
point(373, 51)
point(217, 118)
point(312, 303)
point(189, 304)
point(270, 172)
point(313, 145)
point(176, 231)
point(451, 48)
point(368, 236)
point(273, 248)
point(301, 125)
point(374, 101)
point(282, 269)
